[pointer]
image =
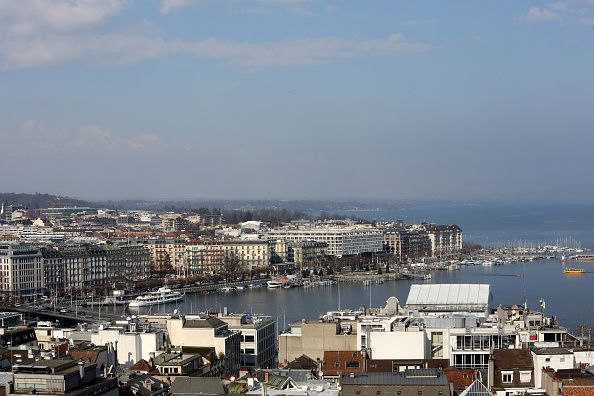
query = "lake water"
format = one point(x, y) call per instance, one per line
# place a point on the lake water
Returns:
point(568, 297)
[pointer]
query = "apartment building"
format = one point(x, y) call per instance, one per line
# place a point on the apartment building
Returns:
point(53, 270)
point(258, 339)
point(207, 331)
point(342, 241)
point(208, 257)
point(167, 253)
point(445, 239)
point(98, 265)
point(21, 271)
point(307, 253)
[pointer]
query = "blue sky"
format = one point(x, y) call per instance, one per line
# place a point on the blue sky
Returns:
point(298, 98)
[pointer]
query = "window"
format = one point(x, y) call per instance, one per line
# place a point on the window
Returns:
point(249, 338)
point(352, 364)
point(525, 376)
point(379, 392)
point(547, 359)
point(507, 377)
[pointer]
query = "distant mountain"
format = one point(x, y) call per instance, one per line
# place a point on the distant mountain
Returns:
point(37, 200)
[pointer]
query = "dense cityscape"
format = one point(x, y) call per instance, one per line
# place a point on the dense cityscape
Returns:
point(61, 266)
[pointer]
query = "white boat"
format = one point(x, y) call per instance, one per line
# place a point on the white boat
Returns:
point(273, 284)
point(162, 296)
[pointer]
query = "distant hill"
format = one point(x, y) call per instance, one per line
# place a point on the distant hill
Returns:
point(37, 200)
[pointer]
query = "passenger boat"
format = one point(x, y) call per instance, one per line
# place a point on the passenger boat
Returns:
point(574, 271)
point(163, 295)
point(274, 284)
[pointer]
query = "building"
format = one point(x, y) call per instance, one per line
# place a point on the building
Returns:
point(53, 271)
point(60, 377)
point(132, 342)
point(307, 253)
point(445, 239)
point(167, 254)
point(209, 257)
point(415, 244)
point(511, 371)
point(342, 241)
point(258, 339)
point(207, 331)
point(337, 363)
point(92, 266)
point(21, 271)
point(205, 257)
point(572, 382)
point(10, 319)
point(425, 382)
point(437, 299)
point(552, 358)
point(313, 338)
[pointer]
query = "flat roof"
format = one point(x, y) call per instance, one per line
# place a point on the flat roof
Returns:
point(449, 294)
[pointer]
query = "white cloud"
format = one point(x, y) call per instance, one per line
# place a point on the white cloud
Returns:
point(420, 22)
point(168, 6)
point(86, 138)
point(25, 18)
point(537, 14)
point(45, 33)
point(122, 49)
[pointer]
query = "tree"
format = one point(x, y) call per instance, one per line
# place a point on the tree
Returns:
point(379, 270)
point(387, 267)
point(231, 263)
point(305, 273)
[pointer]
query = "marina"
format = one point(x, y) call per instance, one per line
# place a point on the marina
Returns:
point(523, 281)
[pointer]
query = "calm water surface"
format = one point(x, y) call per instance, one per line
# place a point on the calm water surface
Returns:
point(569, 297)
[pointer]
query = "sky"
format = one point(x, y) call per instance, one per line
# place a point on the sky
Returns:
point(182, 99)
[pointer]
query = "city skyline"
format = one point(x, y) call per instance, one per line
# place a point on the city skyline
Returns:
point(182, 99)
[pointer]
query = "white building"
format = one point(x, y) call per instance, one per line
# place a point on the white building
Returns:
point(132, 340)
point(342, 241)
point(201, 331)
point(258, 339)
point(439, 299)
point(21, 271)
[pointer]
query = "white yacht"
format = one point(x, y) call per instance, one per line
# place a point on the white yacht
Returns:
point(162, 296)
point(274, 284)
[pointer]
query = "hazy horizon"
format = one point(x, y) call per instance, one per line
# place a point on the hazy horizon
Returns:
point(229, 99)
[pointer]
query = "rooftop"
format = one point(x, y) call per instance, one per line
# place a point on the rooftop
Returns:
point(413, 377)
point(448, 294)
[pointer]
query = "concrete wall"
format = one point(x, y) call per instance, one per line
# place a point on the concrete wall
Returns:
point(398, 345)
point(131, 347)
point(554, 361)
point(315, 338)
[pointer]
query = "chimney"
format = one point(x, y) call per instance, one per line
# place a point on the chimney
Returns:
point(266, 377)
point(81, 370)
point(491, 372)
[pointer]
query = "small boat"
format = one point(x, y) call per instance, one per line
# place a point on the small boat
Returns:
point(162, 296)
point(574, 271)
point(273, 284)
